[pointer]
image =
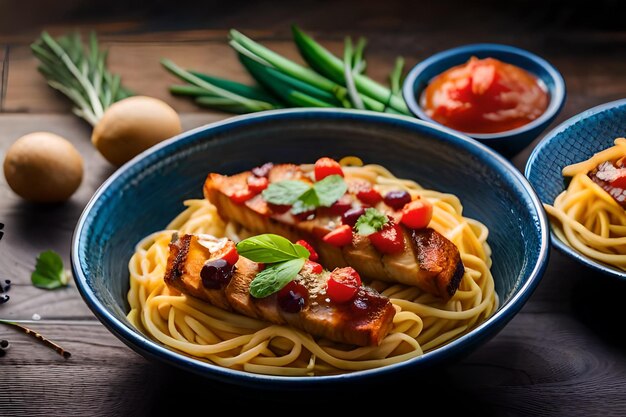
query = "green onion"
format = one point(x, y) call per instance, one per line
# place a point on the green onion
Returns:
point(396, 75)
point(254, 93)
point(347, 66)
point(252, 105)
point(283, 85)
point(330, 82)
point(326, 63)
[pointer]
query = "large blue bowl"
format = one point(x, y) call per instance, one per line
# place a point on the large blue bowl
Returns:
point(147, 192)
point(509, 142)
point(575, 140)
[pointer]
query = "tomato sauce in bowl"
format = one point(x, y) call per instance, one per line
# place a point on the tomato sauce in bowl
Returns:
point(485, 96)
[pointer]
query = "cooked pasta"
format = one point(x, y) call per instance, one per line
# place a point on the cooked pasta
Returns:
point(422, 322)
point(588, 218)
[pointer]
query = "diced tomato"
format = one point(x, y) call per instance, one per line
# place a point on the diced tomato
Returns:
point(228, 252)
point(241, 194)
point(257, 184)
point(371, 196)
point(389, 240)
point(417, 214)
point(341, 206)
point(620, 180)
point(341, 236)
point(260, 267)
point(325, 167)
point(365, 192)
point(343, 284)
point(314, 267)
point(313, 254)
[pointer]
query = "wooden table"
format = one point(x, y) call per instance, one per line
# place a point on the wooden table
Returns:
point(563, 354)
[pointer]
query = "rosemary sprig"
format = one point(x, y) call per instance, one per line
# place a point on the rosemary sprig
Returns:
point(79, 73)
point(41, 339)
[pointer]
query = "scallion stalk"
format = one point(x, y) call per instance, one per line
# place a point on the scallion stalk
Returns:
point(332, 67)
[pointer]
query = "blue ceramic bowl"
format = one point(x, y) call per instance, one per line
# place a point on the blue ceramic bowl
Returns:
point(575, 140)
point(147, 192)
point(509, 142)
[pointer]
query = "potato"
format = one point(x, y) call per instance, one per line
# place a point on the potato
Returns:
point(43, 167)
point(132, 125)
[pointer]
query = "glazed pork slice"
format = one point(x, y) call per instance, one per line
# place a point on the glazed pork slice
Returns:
point(363, 321)
point(429, 260)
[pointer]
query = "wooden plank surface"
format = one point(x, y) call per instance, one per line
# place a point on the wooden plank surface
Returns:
point(561, 355)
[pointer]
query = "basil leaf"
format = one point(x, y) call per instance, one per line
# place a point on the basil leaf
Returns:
point(329, 190)
point(307, 202)
point(274, 277)
point(269, 249)
point(285, 192)
point(370, 222)
point(49, 273)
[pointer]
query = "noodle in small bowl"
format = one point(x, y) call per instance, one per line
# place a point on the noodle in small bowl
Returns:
point(501, 215)
point(587, 224)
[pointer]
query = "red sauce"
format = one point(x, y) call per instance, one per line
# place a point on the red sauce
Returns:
point(484, 96)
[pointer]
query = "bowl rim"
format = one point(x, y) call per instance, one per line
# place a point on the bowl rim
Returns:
point(152, 349)
point(557, 93)
point(530, 164)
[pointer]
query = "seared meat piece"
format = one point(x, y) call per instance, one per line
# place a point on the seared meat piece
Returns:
point(365, 320)
point(429, 260)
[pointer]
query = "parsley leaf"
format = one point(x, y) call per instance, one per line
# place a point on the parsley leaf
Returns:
point(49, 273)
point(370, 222)
point(274, 277)
point(269, 248)
point(285, 192)
point(304, 197)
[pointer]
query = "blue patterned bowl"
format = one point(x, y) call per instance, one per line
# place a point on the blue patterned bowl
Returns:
point(143, 195)
point(509, 142)
point(573, 141)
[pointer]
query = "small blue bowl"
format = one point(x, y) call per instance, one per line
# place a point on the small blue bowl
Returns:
point(575, 140)
point(147, 192)
point(509, 142)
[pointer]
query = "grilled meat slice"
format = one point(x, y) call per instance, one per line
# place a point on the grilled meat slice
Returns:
point(432, 263)
point(363, 321)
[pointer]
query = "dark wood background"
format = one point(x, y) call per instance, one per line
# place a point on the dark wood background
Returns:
point(564, 354)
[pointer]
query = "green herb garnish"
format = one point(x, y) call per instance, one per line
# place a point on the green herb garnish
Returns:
point(49, 273)
point(274, 277)
point(285, 192)
point(304, 197)
point(270, 248)
point(284, 259)
point(79, 73)
point(371, 221)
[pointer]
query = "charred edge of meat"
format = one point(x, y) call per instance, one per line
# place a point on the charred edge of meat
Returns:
point(181, 249)
point(441, 257)
point(455, 281)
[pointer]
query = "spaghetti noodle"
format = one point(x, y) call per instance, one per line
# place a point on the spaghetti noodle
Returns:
point(422, 322)
point(587, 217)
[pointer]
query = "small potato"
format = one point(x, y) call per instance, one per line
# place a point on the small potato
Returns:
point(43, 167)
point(132, 125)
